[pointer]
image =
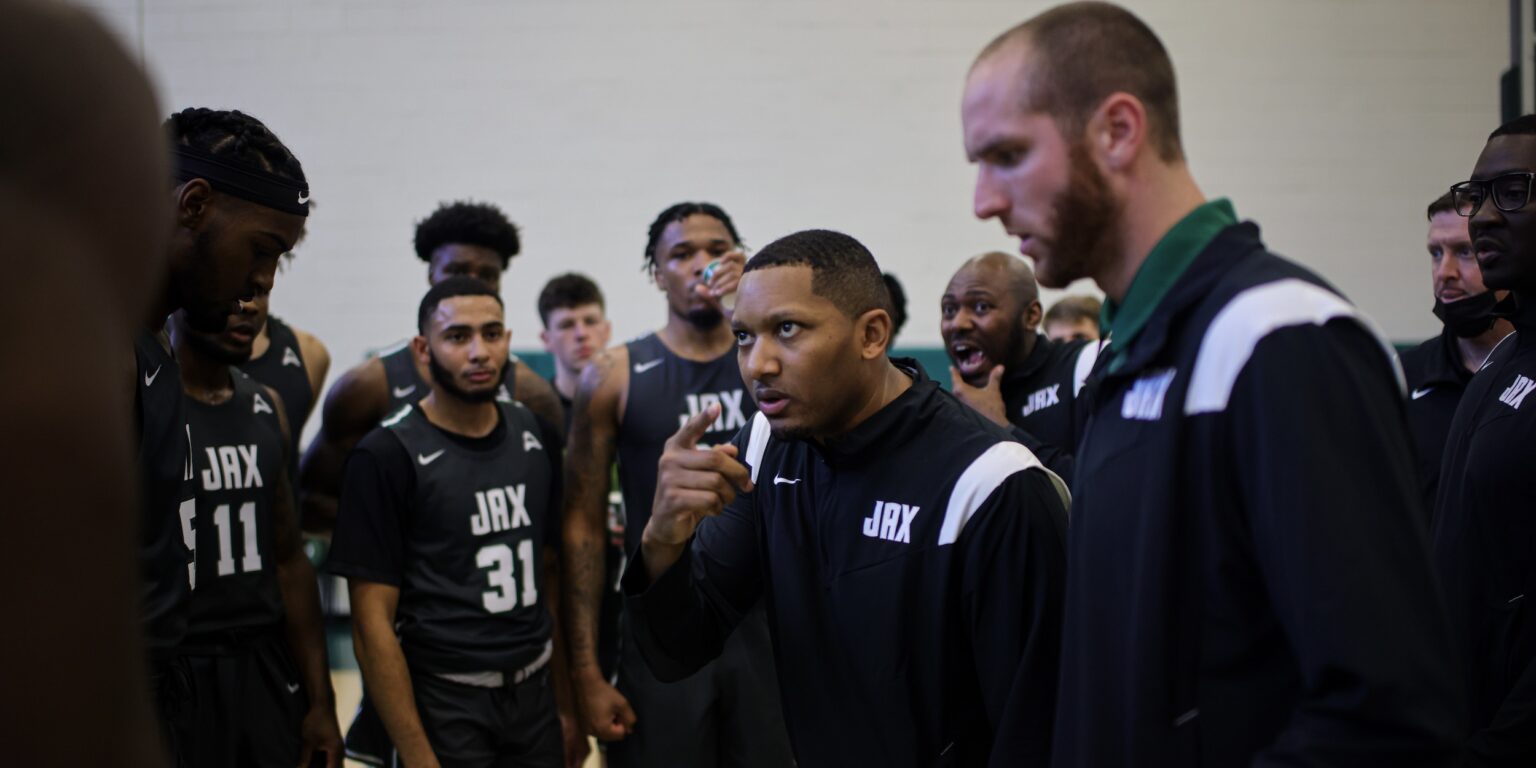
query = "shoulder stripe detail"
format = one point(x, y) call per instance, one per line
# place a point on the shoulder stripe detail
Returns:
point(1086, 357)
point(1251, 316)
point(757, 442)
point(396, 417)
point(978, 481)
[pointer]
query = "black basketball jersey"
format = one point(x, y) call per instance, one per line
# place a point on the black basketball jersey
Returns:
point(472, 596)
point(406, 387)
point(165, 498)
point(281, 367)
point(238, 457)
point(664, 392)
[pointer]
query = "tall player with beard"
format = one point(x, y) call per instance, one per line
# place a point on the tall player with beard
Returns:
point(255, 648)
point(240, 202)
point(447, 536)
point(629, 402)
point(1250, 581)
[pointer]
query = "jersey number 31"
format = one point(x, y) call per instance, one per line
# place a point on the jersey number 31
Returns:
point(502, 596)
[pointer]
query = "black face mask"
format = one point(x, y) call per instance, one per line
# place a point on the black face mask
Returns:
point(1468, 317)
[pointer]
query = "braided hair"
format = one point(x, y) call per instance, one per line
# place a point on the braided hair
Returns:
point(234, 134)
point(682, 211)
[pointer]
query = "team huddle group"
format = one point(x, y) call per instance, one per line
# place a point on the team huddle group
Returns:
point(1228, 533)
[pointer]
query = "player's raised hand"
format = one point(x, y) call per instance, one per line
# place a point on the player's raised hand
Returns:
point(986, 400)
point(690, 485)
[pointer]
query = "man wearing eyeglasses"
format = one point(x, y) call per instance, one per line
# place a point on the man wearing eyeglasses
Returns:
point(1485, 513)
point(1438, 370)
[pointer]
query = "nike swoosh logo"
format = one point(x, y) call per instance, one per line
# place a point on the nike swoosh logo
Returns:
point(403, 391)
point(643, 367)
point(1418, 393)
point(303, 198)
point(149, 378)
point(777, 480)
point(429, 458)
point(292, 687)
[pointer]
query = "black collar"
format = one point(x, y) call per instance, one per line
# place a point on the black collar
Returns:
point(1038, 357)
point(889, 426)
point(1220, 257)
point(1444, 365)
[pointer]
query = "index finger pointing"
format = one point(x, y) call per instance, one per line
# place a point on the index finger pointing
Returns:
point(695, 427)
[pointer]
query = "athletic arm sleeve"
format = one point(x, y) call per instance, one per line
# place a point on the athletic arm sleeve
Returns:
point(682, 620)
point(1013, 583)
point(1056, 459)
point(377, 486)
point(1325, 472)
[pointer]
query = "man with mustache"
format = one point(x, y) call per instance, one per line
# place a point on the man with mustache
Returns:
point(629, 401)
point(1438, 370)
point(446, 537)
point(1485, 513)
point(1003, 366)
point(1250, 581)
point(910, 553)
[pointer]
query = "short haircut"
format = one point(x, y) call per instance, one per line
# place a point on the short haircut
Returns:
point(458, 285)
point(843, 271)
point(1081, 53)
point(467, 223)
point(898, 302)
point(1074, 309)
point(1524, 125)
point(680, 211)
point(568, 291)
point(1442, 204)
point(1021, 277)
point(233, 134)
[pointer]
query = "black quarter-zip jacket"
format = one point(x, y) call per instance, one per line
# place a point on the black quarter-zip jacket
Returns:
point(1485, 545)
point(1436, 379)
point(1250, 580)
point(1042, 403)
point(912, 571)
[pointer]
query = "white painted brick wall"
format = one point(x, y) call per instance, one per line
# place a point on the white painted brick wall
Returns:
point(1331, 123)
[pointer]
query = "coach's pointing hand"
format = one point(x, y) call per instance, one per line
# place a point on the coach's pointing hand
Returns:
point(690, 485)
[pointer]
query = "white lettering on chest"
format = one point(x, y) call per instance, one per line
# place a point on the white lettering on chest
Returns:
point(231, 467)
point(1045, 398)
point(731, 416)
point(1144, 400)
point(500, 509)
point(1514, 396)
point(891, 521)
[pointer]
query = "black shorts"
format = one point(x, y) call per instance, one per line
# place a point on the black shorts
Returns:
point(471, 727)
point(250, 705)
point(170, 689)
point(726, 715)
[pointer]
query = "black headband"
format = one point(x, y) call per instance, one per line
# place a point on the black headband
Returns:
point(241, 180)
